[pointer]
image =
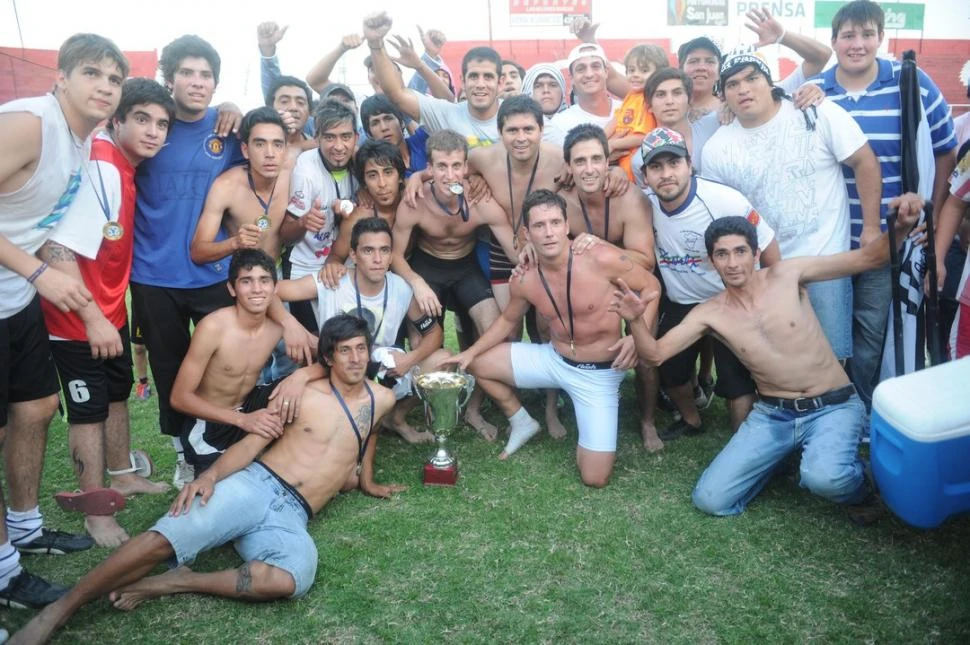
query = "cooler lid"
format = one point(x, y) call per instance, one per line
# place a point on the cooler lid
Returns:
point(929, 405)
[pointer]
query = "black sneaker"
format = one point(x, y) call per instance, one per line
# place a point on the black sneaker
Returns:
point(56, 543)
point(679, 429)
point(867, 512)
point(28, 591)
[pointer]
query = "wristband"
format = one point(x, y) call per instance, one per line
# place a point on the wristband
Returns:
point(36, 274)
point(779, 39)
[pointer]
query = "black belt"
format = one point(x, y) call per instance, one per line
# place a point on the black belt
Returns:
point(810, 403)
point(587, 365)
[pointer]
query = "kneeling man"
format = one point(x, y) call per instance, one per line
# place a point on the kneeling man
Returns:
point(261, 505)
point(805, 399)
point(587, 357)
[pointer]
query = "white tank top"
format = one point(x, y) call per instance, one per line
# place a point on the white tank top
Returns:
point(29, 214)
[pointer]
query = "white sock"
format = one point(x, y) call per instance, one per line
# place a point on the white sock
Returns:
point(9, 564)
point(24, 527)
point(521, 419)
point(522, 427)
point(179, 451)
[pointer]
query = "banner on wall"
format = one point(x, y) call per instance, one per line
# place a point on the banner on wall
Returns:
point(547, 13)
point(709, 13)
point(899, 15)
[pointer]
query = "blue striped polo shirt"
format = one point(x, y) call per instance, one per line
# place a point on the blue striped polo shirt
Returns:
point(877, 112)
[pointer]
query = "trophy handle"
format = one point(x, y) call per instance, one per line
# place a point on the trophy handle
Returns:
point(414, 372)
point(469, 388)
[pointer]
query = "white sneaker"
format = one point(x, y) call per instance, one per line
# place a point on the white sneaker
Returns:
point(184, 473)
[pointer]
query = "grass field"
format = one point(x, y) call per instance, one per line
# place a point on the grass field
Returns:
point(520, 551)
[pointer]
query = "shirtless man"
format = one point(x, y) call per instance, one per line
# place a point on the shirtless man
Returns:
point(587, 356)
point(248, 202)
point(625, 220)
point(805, 398)
point(442, 268)
point(215, 385)
point(241, 498)
point(380, 170)
point(385, 300)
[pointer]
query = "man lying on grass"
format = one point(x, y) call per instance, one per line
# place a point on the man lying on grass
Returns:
point(805, 398)
point(261, 505)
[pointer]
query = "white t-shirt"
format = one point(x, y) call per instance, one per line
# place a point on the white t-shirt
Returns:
point(688, 274)
point(311, 182)
point(343, 300)
point(29, 215)
point(438, 114)
point(556, 130)
point(792, 174)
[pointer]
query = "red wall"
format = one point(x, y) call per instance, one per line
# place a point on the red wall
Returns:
point(31, 72)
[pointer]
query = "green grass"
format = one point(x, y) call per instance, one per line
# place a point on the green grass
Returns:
point(521, 551)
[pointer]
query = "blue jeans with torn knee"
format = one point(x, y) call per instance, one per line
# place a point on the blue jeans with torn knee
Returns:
point(830, 465)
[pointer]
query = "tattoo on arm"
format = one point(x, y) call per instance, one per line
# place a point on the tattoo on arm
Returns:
point(627, 263)
point(59, 253)
point(244, 580)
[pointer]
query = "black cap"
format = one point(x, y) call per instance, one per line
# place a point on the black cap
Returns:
point(701, 42)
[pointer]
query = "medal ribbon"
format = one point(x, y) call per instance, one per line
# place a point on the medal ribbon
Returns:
point(517, 218)
point(361, 443)
point(569, 299)
point(360, 307)
point(606, 218)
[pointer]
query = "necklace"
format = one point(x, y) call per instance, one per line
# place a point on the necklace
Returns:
point(462, 205)
point(606, 218)
point(569, 299)
point(361, 443)
point(263, 222)
point(360, 307)
point(517, 218)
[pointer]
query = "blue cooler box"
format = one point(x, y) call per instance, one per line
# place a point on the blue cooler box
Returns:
point(920, 448)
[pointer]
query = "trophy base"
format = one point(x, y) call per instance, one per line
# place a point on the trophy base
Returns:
point(434, 476)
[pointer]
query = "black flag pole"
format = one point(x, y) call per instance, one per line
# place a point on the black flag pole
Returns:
point(897, 302)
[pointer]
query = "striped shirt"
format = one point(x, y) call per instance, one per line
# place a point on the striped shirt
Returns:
point(877, 112)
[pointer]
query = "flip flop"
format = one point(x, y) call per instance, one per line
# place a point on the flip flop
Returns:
point(141, 465)
point(97, 501)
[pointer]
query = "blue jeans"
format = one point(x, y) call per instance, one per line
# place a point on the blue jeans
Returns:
point(872, 296)
point(830, 465)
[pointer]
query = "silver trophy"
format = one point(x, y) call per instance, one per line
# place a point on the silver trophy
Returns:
point(444, 395)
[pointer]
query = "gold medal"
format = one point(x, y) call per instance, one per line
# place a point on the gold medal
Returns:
point(263, 222)
point(112, 231)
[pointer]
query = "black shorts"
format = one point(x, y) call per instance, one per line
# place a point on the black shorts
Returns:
point(205, 441)
point(459, 284)
point(733, 378)
point(90, 384)
point(26, 368)
point(136, 335)
point(499, 265)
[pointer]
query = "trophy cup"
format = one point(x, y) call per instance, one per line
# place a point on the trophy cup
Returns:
point(444, 395)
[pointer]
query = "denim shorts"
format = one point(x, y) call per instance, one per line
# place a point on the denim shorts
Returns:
point(832, 302)
point(265, 521)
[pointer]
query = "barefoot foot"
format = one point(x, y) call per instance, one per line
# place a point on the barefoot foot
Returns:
point(407, 432)
point(129, 597)
point(484, 428)
point(105, 530)
point(131, 484)
point(651, 441)
point(556, 429)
